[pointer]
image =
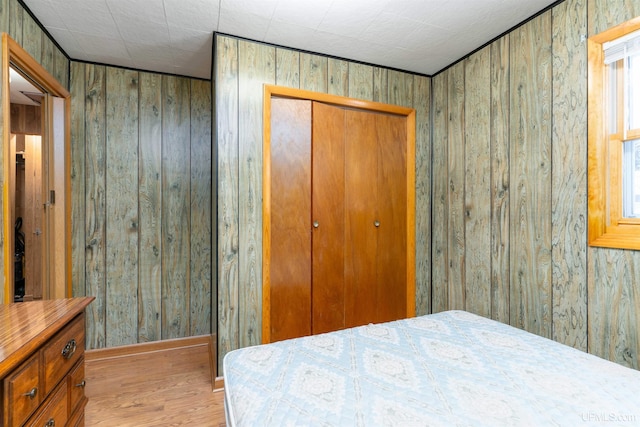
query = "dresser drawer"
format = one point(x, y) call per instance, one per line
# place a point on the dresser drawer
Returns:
point(54, 412)
point(22, 391)
point(76, 386)
point(62, 352)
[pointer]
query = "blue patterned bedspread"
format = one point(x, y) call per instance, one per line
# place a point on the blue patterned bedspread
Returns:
point(446, 369)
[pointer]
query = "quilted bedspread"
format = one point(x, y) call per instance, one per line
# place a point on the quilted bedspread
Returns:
point(446, 369)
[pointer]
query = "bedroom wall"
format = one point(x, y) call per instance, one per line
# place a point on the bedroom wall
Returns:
point(141, 193)
point(141, 203)
point(510, 174)
point(241, 68)
point(23, 28)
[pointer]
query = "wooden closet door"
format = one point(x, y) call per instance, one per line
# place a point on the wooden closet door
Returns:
point(391, 264)
point(361, 199)
point(290, 257)
point(328, 215)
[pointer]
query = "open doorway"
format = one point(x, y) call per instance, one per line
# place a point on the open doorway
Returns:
point(36, 210)
point(26, 188)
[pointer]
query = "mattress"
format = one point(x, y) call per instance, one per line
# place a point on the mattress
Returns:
point(447, 369)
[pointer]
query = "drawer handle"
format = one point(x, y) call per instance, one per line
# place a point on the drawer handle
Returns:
point(69, 349)
point(81, 384)
point(32, 394)
point(50, 423)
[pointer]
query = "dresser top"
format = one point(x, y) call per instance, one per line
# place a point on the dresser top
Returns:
point(25, 326)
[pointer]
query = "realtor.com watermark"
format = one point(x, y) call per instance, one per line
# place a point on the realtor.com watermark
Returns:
point(610, 417)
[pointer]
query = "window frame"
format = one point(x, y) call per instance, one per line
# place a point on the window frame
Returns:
point(606, 226)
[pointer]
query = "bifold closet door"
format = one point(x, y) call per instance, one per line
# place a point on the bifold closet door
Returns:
point(328, 192)
point(338, 218)
point(290, 252)
point(361, 200)
point(375, 209)
point(391, 258)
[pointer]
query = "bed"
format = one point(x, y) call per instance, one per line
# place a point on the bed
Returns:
point(447, 369)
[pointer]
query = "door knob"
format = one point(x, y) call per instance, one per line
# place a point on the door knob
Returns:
point(376, 223)
point(316, 224)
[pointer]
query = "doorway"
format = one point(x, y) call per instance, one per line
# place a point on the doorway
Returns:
point(27, 186)
point(36, 210)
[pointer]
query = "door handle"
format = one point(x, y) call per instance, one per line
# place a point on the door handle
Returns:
point(316, 224)
point(376, 223)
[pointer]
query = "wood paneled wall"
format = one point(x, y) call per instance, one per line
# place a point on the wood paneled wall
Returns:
point(613, 275)
point(241, 69)
point(142, 208)
point(22, 28)
point(510, 174)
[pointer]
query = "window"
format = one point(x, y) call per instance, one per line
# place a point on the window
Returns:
point(614, 137)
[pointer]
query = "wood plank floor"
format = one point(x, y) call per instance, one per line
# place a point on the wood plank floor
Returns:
point(160, 388)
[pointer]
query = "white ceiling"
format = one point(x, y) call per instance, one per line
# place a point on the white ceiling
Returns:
point(22, 90)
point(175, 36)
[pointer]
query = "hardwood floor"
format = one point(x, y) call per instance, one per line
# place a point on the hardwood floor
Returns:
point(169, 387)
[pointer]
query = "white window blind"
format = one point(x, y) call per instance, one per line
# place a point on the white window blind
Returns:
point(622, 47)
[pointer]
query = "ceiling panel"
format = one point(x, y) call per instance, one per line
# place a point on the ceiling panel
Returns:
point(175, 36)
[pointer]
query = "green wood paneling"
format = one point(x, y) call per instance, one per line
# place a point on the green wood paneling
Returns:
point(121, 213)
point(569, 178)
point(31, 37)
point(47, 56)
point(4, 15)
point(477, 191)
point(141, 147)
point(530, 161)
point(78, 211)
point(440, 194)
point(422, 104)
point(16, 20)
point(95, 203)
point(614, 301)
point(313, 72)
point(176, 202)
point(61, 67)
point(380, 92)
point(500, 179)
point(226, 77)
point(455, 188)
point(360, 81)
point(150, 208)
point(200, 209)
point(604, 14)
point(256, 66)
point(287, 68)
point(536, 208)
point(338, 76)
point(399, 88)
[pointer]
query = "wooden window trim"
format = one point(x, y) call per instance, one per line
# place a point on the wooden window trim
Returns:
point(606, 226)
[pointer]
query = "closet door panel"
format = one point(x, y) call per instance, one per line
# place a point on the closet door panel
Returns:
point(391, 262)
point(361, 165)
point(290, 287)
point(328, 215)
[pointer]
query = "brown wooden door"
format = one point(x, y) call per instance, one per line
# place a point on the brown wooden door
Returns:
point(361, 199)
point(391, 256)
point(328, 195)
point(359, 202)
point(290, 254)
point(338, 218)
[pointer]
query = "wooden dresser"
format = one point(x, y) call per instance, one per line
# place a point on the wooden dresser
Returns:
point(42, 363)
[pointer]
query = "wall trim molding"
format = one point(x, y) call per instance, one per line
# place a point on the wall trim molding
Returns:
point(149, 347)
